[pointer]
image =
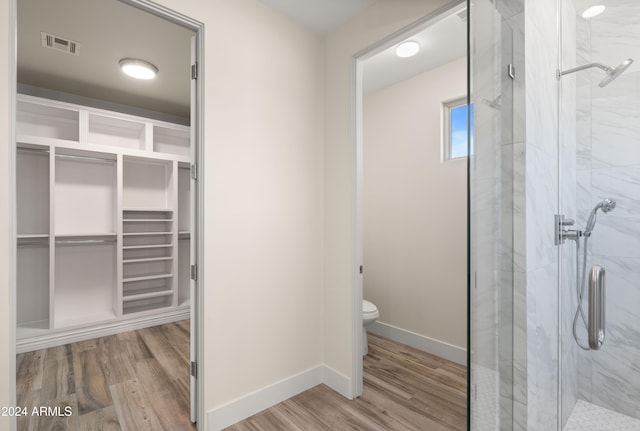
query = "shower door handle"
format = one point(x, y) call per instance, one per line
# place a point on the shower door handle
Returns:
point(596, 307)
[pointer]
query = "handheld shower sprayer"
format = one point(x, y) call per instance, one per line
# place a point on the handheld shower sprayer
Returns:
point(606, 206)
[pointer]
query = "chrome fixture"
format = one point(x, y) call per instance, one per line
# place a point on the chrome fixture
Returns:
point(606, 206)
point(612, 72)
point(562, 234)
point(596, 307)
point(595, 326)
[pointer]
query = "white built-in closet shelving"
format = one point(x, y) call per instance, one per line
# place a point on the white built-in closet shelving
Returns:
point(103, 222)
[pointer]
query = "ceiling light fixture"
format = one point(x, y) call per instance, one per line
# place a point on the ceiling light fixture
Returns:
point(593, 11)
point(138, 69)
point(407, 49)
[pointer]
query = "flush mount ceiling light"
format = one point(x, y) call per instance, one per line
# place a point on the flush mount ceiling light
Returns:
point(407, 49)
point(593, 11)
point(138, 69)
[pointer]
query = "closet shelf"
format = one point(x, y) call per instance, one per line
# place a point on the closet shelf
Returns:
point(146, 277)
point(146, 233)
point(147, 259)
point(86, 235)
point(41, 140)
point(148, 210)
point(133, 247)
point(146, 295)
point(146, 220)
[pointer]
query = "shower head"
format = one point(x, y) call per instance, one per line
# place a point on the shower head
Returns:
point(613, 73)
point(606, 206)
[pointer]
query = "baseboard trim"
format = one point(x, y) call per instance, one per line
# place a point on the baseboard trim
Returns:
point(255, 402)
point(61, 337)
point(420, 342)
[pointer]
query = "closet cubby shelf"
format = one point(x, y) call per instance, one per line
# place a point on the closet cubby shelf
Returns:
point(146, 277)
point(134, 247)
point(149, 210)
point(146, 295)
point(148, 259)
point(146, 233)
point(145, 220)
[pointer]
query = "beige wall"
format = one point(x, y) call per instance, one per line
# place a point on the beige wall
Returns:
point(415, 226)
point(5, 208)
point(277, 238)
point(378, 21)
point(263, 203)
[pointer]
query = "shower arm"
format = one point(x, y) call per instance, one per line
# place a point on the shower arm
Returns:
point(583, 67)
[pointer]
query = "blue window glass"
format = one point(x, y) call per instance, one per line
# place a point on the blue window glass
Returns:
point(458, 131)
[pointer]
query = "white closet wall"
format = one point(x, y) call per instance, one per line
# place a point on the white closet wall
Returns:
point(103, 206)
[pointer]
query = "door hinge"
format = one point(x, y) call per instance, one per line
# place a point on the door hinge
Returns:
point(194, 272)
point(193, 369)
point(194, 71)
point(511, 71)
point(194, 172)
point(361, 269)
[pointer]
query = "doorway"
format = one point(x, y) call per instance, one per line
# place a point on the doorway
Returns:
point(413, 166)
point(125, 161)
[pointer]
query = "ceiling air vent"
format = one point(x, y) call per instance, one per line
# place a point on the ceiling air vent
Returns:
point(60, 43)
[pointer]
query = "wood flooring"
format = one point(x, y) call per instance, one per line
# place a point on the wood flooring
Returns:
point(404, 389)
point(136, 381)
point(139, 381)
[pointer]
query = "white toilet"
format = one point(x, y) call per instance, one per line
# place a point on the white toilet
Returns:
point(370, 314)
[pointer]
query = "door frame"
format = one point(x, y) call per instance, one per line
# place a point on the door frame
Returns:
point(357, 222)
point(184, 21)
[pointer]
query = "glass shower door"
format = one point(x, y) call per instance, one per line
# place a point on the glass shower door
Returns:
point(491, 185)
point(600, 164)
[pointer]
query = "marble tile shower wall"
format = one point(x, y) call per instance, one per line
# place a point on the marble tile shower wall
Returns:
point(541, 202)
point(610, 159)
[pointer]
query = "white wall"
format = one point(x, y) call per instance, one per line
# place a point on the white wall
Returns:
point(415, 214)
point(375, 23)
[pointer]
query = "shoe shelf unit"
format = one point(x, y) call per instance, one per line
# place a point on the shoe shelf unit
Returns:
point(103, 222)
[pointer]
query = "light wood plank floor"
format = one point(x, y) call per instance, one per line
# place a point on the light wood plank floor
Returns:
point(136, 381)
point(139, 380)
point(404, 389)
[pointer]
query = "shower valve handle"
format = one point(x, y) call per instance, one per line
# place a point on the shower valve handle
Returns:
point(563, 234)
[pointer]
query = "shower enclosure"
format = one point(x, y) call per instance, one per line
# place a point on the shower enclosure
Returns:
point(601, 126)
point(556, 148)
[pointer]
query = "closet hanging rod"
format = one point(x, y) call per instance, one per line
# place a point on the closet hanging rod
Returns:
point(34, 150)
point(85, 241)
point(97, 159)
point(32, 241)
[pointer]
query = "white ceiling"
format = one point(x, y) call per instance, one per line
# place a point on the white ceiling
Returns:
point(440, 43)
point(321, 16)
point(109, 30)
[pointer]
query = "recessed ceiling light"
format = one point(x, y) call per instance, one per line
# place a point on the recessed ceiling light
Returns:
point(593, 11)
point(138, 69)
point(407, 49)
